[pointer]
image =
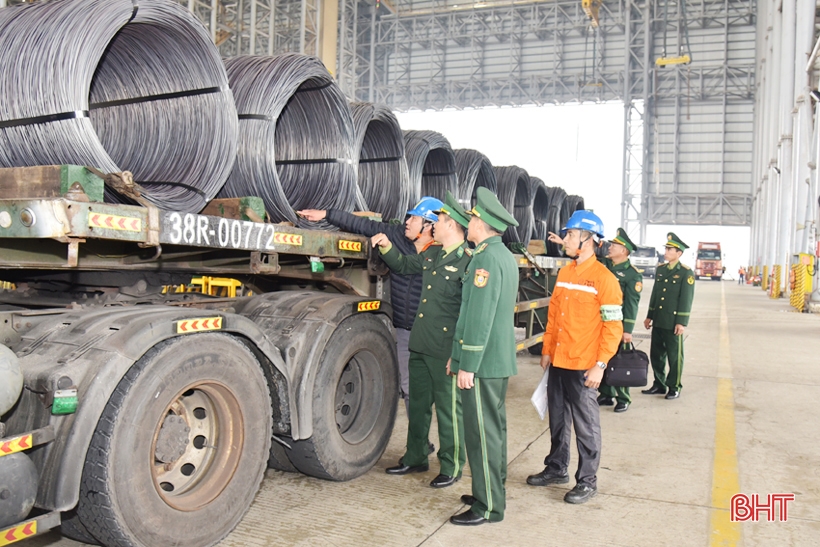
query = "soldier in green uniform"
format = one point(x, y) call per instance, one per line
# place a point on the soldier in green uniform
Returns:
point(631, 282)
point(668, 316)
point(483, 357)
point(431, 340)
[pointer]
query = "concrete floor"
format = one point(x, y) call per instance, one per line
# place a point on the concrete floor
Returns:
point(753, 375)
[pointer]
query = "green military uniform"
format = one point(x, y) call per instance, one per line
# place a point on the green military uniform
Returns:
point(669, 305)
point(431, 341)
point(631, 282)
point(485, 345)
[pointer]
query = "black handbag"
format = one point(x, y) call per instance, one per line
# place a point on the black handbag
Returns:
point(628, 368)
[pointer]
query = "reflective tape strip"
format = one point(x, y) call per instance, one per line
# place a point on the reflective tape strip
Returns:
point(15, 444)
point(17, 533)
point(200, 324)
point(368, 306)
point(281, 238)
point(114, 222)
point(611, 313)
point(576, 287)
point(345, 245)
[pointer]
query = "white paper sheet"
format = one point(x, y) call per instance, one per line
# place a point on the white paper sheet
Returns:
point(539, 398)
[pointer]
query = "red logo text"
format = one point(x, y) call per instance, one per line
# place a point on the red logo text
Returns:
point(772, 508)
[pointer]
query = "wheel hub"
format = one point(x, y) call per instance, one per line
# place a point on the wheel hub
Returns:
point(172, 440)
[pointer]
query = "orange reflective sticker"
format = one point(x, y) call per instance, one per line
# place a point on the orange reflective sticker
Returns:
point(481, 278)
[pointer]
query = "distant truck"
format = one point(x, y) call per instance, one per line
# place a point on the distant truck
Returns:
point(709, 262)
point(645, 259)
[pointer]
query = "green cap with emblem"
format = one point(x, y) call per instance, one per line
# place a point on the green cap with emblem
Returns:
point(674, 241)
point(452, 208)
point(490, 210)
point(623, 239)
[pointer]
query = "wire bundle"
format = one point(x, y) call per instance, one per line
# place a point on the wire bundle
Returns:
point(382, 168)
point(569, 206)
point(555, 221)
point(540, 209)
point(432, 165)
point(474, 171)
point(296, 140)
point(118, 86)
point(516, 194)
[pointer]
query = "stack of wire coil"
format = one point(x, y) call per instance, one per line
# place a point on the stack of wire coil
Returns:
point(382, 167)
point(431, 164)
point(296, 137)
point(540, 209)
point(143, 90)
point(474, 171)
point(516, 194)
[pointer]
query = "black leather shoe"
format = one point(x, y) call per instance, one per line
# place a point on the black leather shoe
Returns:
point(402, 469)
point(443, 481)
point(468, 518)
point(672, 394)
point(431, 448)
point(467, 499)
point(603, 400)
point(621, 407)
point(654, 390)
point(582, 493)
point(548, 476)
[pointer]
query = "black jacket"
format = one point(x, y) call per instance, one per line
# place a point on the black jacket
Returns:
point(405, 290)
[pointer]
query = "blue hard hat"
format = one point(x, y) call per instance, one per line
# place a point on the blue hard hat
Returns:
point(584, 220)
point(425, 208)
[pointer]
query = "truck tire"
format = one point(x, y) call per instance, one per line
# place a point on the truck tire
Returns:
point(72, 527)
point(354, 403)
point(278, 458)
point(181, 447)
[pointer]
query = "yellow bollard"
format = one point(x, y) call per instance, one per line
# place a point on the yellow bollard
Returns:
point(776, 281)
point(764, 279)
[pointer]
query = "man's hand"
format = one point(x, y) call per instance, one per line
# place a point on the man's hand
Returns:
point(545, 361)
point(448, 368)
point(381, 240)
point(679, 330)
point(593, 376)
point(465, 379)
point(627, 338)
point(555, 238)
point(313, 215)
point(647, 323)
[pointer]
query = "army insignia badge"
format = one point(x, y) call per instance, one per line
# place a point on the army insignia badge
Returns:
point(638, 286)
point(451, 268)
point(690, 280)
point(481, 278)
point(469, 252)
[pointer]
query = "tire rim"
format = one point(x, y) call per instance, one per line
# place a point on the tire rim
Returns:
point(197, 445)
point(359, 400)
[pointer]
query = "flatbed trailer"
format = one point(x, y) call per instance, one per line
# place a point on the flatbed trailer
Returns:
point(157, 412)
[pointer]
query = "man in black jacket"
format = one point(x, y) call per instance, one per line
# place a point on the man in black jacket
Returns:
point(413, 237)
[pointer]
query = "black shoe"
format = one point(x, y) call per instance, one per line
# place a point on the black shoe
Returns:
point(431, 448)
point(468, 518)
point(443, 481)
point(548, 476)
point(621, 407)
point(402, 469)
point(603, 400)
point(672, 394)
point(467, 499)
point(654, 390)
point(582, 493)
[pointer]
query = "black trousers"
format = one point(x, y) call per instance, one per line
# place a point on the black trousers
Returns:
point(570, 402)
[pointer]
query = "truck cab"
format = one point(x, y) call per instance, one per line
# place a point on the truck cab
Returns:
point(709, 261)
point(645, 260)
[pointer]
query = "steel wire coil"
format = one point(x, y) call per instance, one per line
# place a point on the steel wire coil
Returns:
point(383, 177)
point(569, 206)
point(118, 85)
point(296, 139)
point(540, 209)
point(431, 164)
point(474, 171)
point(516, 194)
point(554, 220)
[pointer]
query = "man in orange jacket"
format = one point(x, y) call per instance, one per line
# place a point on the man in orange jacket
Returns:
point(584, 328)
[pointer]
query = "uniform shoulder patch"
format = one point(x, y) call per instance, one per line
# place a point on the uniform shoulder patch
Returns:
point(685, 267)
point(691, 279)
point(469, 252)
point(638, 286)
point(481, 278)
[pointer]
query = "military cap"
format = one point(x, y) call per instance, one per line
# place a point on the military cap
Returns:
point(490, 210)
point(674, 241)
point(623, 239)
point(451, 207)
